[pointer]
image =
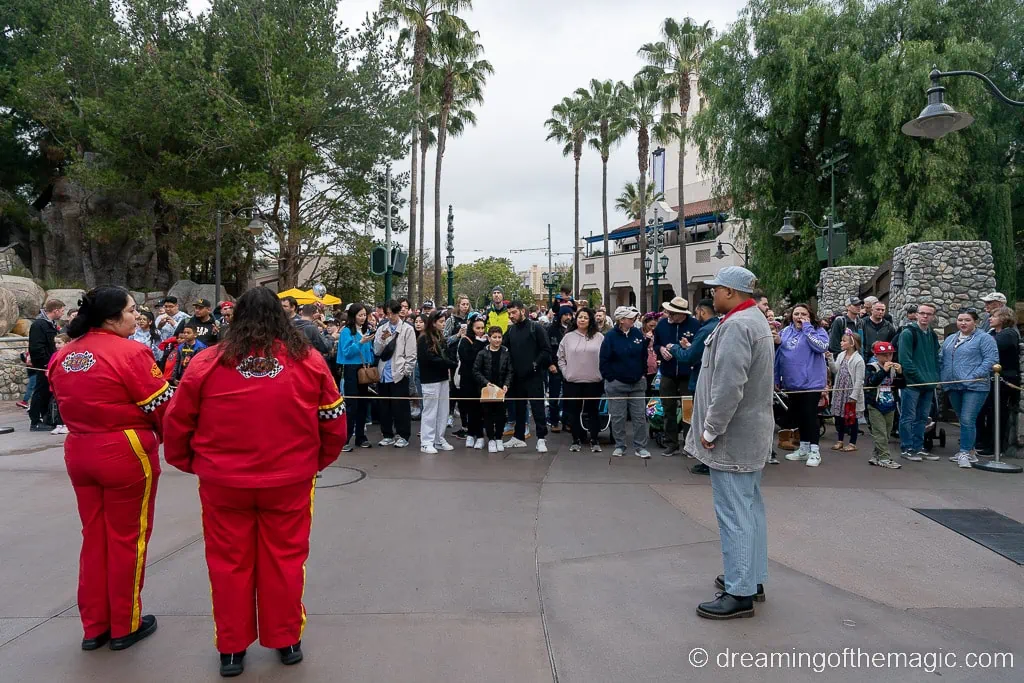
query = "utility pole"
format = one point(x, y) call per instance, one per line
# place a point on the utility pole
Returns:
point(387, 241)
point(550, 269)
point(831, 162)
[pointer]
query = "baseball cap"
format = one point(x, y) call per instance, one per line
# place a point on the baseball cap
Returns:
point(994, 296)
point(882, 347)
point(853, 301)
point(429, 303)
point(202, 303)
point(226, 304)
point(734, 277)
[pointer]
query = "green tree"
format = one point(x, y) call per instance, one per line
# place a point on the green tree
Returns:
point(420, 18)
point(478, 279)
point(460, 74)
point(602, 104)
point(639, 104)
point(630, 202)
point(791, 78)
point(675, 57)
point(570, 123)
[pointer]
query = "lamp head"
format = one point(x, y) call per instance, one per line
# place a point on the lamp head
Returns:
point(937, 118)
point(787, 232)
point(256, 226)
point(720, 254)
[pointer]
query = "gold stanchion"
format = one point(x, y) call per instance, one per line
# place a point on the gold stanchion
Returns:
point(996, 465)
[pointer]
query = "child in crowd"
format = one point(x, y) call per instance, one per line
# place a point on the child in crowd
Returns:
point(58, 424)
point(493, 368)
point(848, 390)
point(186, 347)
point(880, 398)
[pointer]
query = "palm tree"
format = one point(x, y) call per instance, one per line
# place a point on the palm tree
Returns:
point(639, 103)
point(630, 202)
point(601, 102)
point(570, 124)
point(675, 57)
point(420, 17)
point(460, 77)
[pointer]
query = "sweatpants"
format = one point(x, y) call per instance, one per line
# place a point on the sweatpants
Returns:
point(742, 528)
point(434, 419)
point(881, 427)
point(257, 542)
point(636, 405)
point(583, 415)
point(114, 475)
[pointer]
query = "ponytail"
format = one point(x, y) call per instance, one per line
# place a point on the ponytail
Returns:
point(96, 307)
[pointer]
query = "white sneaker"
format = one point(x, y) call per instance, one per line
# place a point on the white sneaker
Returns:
point(401, 443)
point(797, 455)
point(928, 456)
point(499, 444)
point(542, 446)
point(909, 455)
point(429, 450)
point(388, 441)
point(492, 447)
point(970, 456)
point(643, 453)
point(515, 443)
point(619, 451)
point(595, 448)
point(56, 430)
point(470, 442)
point(814, 459)
point(443, 445)
point(479, 445)
point(964, 460)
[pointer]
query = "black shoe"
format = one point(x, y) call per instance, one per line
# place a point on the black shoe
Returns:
point(460, 434)
point(366, 444)
point(232, 665)
point(726, 606)
point(700, 468)
point(147, 627)
point(89, 644)
point(720, 585)
point(39, 427)
point(670, 451)
point(986, 451)
point(291, 655)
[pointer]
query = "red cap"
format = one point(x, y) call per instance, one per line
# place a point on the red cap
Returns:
point(226, 304)
point(882, 347)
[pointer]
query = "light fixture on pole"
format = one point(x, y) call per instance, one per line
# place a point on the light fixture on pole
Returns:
point(450, 259)
point(720, 254)
point(787, 232)
point(938, 118)
point(551, 280)
point(656, 262)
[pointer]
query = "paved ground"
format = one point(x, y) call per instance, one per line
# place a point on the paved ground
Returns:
point(469, 567)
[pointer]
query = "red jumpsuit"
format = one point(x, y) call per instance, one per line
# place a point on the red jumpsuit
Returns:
point(111, 396)
point(256, 433)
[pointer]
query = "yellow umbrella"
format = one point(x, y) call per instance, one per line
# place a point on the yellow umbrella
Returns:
point(330, 300)
point(300, 296)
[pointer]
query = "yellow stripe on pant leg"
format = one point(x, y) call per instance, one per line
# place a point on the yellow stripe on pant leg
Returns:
point(140, 545)
point(312, 498)
point(213, 614)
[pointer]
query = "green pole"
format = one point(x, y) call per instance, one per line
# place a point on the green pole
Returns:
point(451, 288)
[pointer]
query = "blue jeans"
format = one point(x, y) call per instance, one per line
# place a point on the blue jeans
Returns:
point(30, 386)
point(967, 405)
point(915, 406)
point(742, 528)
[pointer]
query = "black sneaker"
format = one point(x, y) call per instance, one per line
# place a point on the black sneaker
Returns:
point(726, 606)
point(90, 644)
point(460, 434)
point(720, 585)
point(39, 427)
point(670, 451)
point(366, 444)
point(232, 665)
point(147, 627)
point(291, 654)
point(700, 468)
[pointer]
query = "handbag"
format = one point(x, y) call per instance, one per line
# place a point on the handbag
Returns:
point(850, 413)
point(368, 374)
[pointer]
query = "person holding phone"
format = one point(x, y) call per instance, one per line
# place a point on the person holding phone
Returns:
point(355, 351)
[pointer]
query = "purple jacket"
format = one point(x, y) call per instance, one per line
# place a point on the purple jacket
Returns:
point(800, 358)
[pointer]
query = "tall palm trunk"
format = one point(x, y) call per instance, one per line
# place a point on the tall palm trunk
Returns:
point(604, 217)
point(423, 215)
point(419, 57)
point(684, 107)
point(642, 151)
point(576, 232)
point(442, 135)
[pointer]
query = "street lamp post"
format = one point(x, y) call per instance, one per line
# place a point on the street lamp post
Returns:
point(656, 262)
point(255, 227)
point(787, 232)
point(938, 118)
point(551, 280)
point(720, 254)
point(450, 259)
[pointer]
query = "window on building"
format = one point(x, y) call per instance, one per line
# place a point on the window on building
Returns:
point(703, 256)
point(588, 268)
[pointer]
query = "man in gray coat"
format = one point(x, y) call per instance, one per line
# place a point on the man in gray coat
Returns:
point(731, 431)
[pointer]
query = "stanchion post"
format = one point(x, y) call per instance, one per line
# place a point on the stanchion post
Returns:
point(996, 465)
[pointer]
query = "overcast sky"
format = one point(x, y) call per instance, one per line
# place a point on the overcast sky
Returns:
point(505, 182)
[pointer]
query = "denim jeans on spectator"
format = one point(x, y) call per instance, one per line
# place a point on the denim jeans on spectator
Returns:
point(30, 386)
point(967, 405)
point(915, 406)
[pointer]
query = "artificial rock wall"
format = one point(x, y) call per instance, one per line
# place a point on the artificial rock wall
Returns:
point(837, 284)
point(13, 375)
point(951, 275)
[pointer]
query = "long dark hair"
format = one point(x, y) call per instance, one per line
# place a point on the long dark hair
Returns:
point(435, 338)
point(810, 311)
point(592, 325)
point(259, 326)
point(154, 334)
point(350, 323)
point(96, 307)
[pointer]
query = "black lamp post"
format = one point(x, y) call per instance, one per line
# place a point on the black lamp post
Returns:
point(720, 254)
point(450, 259)
point(255, 227)
point(938, 118)
point(656, 262)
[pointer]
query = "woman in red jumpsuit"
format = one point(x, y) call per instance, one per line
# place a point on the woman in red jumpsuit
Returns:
point(111, 395)
point(255, 418)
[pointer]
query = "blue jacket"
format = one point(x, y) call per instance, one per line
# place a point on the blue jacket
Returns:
point(691, 357)
point(624, 357)
point(971, 360)
point(351, 351)
point(666, 333)
point(800, 358)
